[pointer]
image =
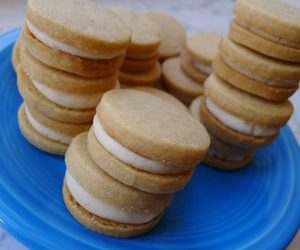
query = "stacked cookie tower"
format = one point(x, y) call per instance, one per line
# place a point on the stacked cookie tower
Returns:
point(71, 55)
point(140, 67)
point(184, 76)
point(257, 69)
point(141, 149)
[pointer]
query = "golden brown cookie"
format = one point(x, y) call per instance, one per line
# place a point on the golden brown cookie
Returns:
point(16, 52)
point(139, 66)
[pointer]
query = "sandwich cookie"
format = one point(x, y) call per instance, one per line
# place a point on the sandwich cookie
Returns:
point(172, 34)
point(16, 52)
point(201, 49)
point(145, 39)
point(256, 74)
point(178, 83)
point(164, 95)
point(273, 32)
point(241, 119)
point(146, 142)
point(60, 35)
point(103, 204)
point(65, 89)
point(139, 66)
point(148, 78)
point(45, 133)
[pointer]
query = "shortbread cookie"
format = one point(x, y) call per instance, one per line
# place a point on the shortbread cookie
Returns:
point(147, 142)
point(138, 65)
point(45, 133)
point(102, 203)
point(172, 33)
point(270, 19)
point(145, 39)
point(203, 48)
point(16, 52)
point(241, 119)
point(178, 83)
point(148, 78)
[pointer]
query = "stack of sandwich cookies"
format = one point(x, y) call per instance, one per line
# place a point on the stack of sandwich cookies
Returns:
point(140, 67)
point(140, 154)
point(65, 68)
point(172, 34)
point(184, 76)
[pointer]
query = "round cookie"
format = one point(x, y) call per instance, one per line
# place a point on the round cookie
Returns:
point(164, 95)
point(249, 85)
point(120, 215)
point(274, 20)
point(178, 83)
point(16, 52)
point(39, 102)
point(139, 143)
point(189, 68)
point(258, 67)
point(63, 88)
point(148, 78)
point(67, 62)
point(241, 119)
point(195, 108)
point(35, 138)
point(145, 39)
point(78, 27)
point(139, 66)
point(172, 33)
point(203, 48)
point(254, 41)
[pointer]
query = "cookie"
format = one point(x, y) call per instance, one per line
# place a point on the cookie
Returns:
point(139, 66)
point(274, 20)
point(16, 52)
point(240, 81)
point(257, 67)
point(164, 95)
point(45, 133)
point(145, 39)
point(148, 78)
point(241, 119)
point(203, 48)
point(76, 36)
point(172, 34)
point(178, 83)
point(139, 145)
point(189, 68)
point(38, 101)
point(254, 41)
point(65, 89)
point(103, 204)
point(194, 108)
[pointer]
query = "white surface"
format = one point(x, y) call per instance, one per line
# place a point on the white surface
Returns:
point(196, 15)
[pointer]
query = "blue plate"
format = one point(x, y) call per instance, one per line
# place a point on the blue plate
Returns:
point(256, 208)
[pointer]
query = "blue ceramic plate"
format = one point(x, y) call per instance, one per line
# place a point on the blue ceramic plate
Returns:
point(256, 208)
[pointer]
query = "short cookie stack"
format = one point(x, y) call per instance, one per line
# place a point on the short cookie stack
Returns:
point(184, 76)
point(141, 149)
point(141, 66)
point(71, 54)
point(257, 69)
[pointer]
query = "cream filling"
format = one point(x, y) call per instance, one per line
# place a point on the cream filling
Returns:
point(103, 209)
point(73, 101)
point(269, 36)
point(195, 108)
point(262, 79)
point(54, 44)
point(47, 132)
point(206, 69)
point(237, 123)
point(129, 157)
point(211, 152)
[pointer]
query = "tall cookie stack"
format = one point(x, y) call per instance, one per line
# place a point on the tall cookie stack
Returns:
point(140, 150)
point(257, 69)
point(141, 66)
point(71, 55)
point(184, 76)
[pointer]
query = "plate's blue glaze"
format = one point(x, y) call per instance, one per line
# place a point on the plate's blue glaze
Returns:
point(256, 208)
